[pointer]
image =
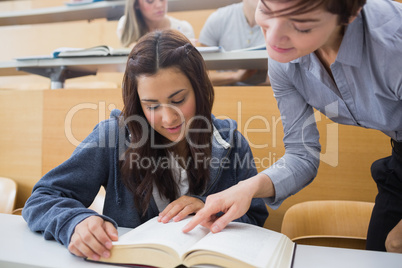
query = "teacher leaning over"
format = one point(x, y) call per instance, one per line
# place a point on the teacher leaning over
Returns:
point(344, 58)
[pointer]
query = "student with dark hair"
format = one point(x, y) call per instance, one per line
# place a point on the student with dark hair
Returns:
point(162, 155)
point(143, 16)
point(343, 58)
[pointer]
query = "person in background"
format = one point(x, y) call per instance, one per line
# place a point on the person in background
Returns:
point(161, 156)
point(343, 58)
point(234, 27)
point(143, 16)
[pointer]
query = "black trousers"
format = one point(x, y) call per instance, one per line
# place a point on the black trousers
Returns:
point(387, 212)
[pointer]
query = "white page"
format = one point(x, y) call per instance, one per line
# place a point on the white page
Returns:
point(246, 242)
point(210, 49)
point(169, 234)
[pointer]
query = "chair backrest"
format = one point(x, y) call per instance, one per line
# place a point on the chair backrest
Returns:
point(99, 201)
point(328, 223)
point(8, 193)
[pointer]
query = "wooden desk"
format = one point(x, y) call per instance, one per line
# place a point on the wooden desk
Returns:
point(329, 257)
point(20, 247)
point(112, 10)
point(60, 69)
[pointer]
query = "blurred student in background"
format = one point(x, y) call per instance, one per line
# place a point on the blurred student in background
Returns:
point(143, 16)
point(233, 27)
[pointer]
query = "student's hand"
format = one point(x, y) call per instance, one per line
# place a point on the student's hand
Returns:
point(393, 243)
point(180, 208)
point(93, 238)
point(234, 202)
point(242, 75)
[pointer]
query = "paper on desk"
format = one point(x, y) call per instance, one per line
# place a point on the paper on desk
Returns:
point(81, 2)
point(210, 49)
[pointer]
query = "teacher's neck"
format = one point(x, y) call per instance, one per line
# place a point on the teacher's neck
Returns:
point(329, 51)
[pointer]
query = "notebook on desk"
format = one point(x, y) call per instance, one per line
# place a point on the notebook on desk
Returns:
point(210, 49)
point(92, 51)
point(81, 2)
point(70, 52)
point(102, 50)
point(259, 47)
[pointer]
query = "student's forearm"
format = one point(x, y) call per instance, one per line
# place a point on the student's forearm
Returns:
point(259, 186)
point(222, 78)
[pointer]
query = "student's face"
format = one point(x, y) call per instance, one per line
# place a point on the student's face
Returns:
point(168, 101)
point(153, 10)
point(290, 37)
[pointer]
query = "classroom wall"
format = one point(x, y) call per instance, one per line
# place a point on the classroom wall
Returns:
point(12, 5)
point(21, 139)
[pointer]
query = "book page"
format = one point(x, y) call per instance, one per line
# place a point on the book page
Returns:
point(168, 234)
point(259, 47)
point(248, 243)
point(81, 2)
point(79, 52)
point(210, 49)
point(123, 51)
point(284, 258)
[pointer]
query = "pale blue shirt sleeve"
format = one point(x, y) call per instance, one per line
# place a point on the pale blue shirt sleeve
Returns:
point(212, 30)
point(299, 165)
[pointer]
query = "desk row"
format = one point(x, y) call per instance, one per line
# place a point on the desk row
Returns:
point(60, 69)
point(111, 10)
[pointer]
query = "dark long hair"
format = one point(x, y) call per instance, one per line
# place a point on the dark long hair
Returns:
point(155, 51)
point(345, 9)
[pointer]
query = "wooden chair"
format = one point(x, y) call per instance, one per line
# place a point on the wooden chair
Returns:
point(96, 205)
point(328, 223)
point(8, 193)
point(17, 211)
point(99, 201)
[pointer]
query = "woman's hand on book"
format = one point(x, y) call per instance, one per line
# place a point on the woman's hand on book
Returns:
point(93, 238)
point(180, 208)
point(234, 202)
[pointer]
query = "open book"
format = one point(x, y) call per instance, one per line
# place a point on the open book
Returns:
point(259, 47)
point(238, 245)
point(92, 51)
point(80, 2)
point(210, 49)
point(68, 52)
